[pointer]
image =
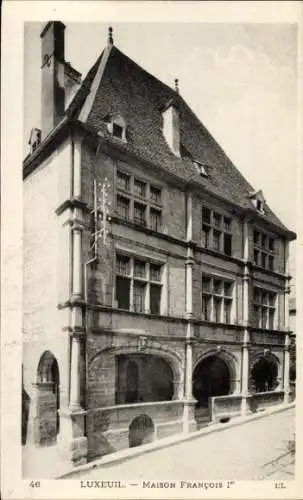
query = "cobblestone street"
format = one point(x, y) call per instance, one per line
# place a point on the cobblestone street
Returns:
point(252, 451)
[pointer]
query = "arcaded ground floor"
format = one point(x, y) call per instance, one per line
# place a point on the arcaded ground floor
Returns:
point(126, 390)
point(255, 450)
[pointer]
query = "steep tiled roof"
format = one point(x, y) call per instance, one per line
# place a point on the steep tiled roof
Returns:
point(126, 88)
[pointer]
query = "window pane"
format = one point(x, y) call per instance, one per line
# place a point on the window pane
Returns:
point(155, 299)
point(256, 295)
point(206, 215)
point(139, 269)
point(227, 309)
point(117, 130)
point(270, 263)
point(155, 272)
point(264, 297)
point(139, 297)
point(256, 237)
point(205, 284)
point(122, 292)
point(139, 188)
point(264, 241)
point(216, 240)
point(139, 214)
point(206, 307)
point(227, 224)
point(218, 286)
point(205, 236)
point(217, 308)
point(271, 299)
point(227, 289)
point(271, 244)
point(123, 207)
point(271, 319)
point(122, 265)
point(155, 219)
point(217, 219)
point(256, 318)
point(263, 259)
point(123, 181)
point(264, 317)
point(257, 257)
point(227, 244)
point(155, 194)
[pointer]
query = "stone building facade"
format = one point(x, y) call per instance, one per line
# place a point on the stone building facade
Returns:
point(155, 277)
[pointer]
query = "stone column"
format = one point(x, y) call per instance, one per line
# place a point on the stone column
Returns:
point(189, 282)
point(77, 261)
point(245, 322)
point(75, 371)
point(77, 191)
point(189, 423)
point(72, 440)
point(286, 385)
point(245, 407)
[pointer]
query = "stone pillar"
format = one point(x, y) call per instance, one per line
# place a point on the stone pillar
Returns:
point(75, 372)
point(286, 385)
point(245, 406)
point(77, 262)
point(189, 423)
point(245, 321)
point(72, 439)
point(77, 191)
point(189, 282)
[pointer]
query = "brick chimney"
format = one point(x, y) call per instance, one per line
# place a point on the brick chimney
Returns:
point(52, 67)
point(171, 126)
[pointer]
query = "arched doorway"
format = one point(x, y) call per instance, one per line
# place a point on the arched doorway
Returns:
point(211, 377)
point(48, 400)
point(264, 374)
point(141, 431)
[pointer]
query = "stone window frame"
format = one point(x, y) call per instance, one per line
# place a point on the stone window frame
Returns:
point(264, 245)
point(144, 210)
point(216, 229)
point(264, 308)
point(141, 280)
point(211, 296)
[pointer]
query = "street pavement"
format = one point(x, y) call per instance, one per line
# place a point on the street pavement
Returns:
point(253, 451)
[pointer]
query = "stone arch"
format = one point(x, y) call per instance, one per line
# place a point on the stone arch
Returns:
point(172, 358)
point(265, 372)
point(47, 422)
point(141, 431)
point(228, 357)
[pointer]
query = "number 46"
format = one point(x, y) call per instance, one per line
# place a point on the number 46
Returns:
point(34, 484)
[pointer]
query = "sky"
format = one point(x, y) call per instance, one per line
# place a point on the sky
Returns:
point(240, 80)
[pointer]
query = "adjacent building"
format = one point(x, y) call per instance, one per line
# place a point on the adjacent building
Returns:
point(155, 277)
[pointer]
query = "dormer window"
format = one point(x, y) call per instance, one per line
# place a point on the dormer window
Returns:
point(201, 168)
point(117, 131)
point(258, 201)
point(116, 126)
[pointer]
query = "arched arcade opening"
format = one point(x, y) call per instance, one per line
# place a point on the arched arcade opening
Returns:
point(211, 378)
point(47, 422)
point(142, 378)
point(264, 373)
